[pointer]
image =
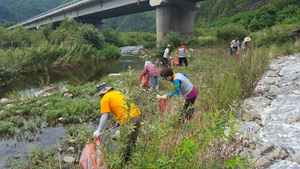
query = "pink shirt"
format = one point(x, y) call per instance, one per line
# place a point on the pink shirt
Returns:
point(151, 70)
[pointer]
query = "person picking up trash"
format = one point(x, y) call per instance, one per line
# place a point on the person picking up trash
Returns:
point(166, 56)
point(234, 46)
point(245, 44)
point(153, 73)
point(183, 86)
point(181, 53)
point(115, 102)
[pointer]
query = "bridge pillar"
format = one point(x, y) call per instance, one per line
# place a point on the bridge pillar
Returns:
point(98, 23)
point(170, 18)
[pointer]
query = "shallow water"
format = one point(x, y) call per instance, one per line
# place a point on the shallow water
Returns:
point(73, 76)
point(28, 86)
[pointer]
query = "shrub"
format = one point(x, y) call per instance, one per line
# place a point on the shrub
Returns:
point(112, 37)
point(110, 52)
point(173, 38)
point(6, 74)
point(6, 128)
point(263, 18)
point(91, 36)
point(229, 32)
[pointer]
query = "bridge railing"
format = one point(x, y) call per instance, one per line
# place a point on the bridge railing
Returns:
point(47, 12)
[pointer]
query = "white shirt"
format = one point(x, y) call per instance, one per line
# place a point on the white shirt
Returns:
point(235, 43)
point(166, 52)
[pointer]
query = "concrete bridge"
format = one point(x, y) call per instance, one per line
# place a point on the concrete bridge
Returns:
point(171, 15)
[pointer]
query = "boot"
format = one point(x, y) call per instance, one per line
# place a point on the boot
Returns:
point(156, 88)
point(150, 89)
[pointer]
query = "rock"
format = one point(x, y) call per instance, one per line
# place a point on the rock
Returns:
point(5, 101)
point(285, 165)
point(71, 141)
point(295, 158)
point(277, 154)
point(135, 52)
point(71, 150)
point(281, 135)
point(19, 112)
point(114, 74)
point(68, 95)
point(262, 162)
point(258, 122)
point(46, 91)
point(266, 148)
point(60, 150)
point(9, 105)
point(69, 159)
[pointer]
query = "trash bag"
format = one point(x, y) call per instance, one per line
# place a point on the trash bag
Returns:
point(237, 52)
point(144, 78)
point(172, 61)
point(177, 60)
point(91, 154)
point(162, 104)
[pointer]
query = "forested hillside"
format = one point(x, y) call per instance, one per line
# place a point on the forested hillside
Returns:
point(210, 14)
point(19, 10)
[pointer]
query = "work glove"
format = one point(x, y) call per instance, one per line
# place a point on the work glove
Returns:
point(164, 96)
point(189, 56)
point(97, 133)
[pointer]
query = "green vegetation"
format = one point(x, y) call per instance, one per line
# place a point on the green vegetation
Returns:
point(276, 13)
point(223, 82)
point(27, 51)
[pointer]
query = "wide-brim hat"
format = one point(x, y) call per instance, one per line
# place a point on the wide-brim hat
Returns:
point(168, 45)
point(247, 39)
point(102, 89)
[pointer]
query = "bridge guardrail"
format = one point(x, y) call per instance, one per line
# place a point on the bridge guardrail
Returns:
point(49, 11)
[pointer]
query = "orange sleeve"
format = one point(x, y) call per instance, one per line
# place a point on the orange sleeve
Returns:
point(105, 105)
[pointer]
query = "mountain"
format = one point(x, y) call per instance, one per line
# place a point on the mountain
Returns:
point(209, 11)
point(20, 10)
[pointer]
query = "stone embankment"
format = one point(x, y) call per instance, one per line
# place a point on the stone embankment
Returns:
point(271, 126)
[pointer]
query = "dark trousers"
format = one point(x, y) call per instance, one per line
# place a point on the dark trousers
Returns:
point(132, 137)
point(188, 110)
point(184, 60)
point(233, 51)
point(165, 62)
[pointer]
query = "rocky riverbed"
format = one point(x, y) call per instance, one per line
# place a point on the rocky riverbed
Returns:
point(271, 126)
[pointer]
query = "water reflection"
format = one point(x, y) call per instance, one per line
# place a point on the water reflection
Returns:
point(28, 86)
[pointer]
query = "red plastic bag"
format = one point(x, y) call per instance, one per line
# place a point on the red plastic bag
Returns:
point(177, 60)
point(172, 61)
point(237, 52)
point(162, 104)
point(91, 154)
point(144, 78)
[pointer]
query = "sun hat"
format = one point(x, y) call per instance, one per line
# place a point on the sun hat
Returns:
point(247, 39)
point(102, 89)
point(147, 62)
point(169, 45)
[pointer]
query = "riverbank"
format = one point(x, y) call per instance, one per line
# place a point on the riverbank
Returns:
point(270, 133)
point(78, 111)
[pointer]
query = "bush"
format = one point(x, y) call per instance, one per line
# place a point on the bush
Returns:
point(91, 36)
point(173, 38)
point(229, 32)
point(6, 74)
point(112, 37)
point(110, 52)
point(263, 18)
point(6, 128)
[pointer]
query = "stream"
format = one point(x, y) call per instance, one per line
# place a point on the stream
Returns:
point(28, 86)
